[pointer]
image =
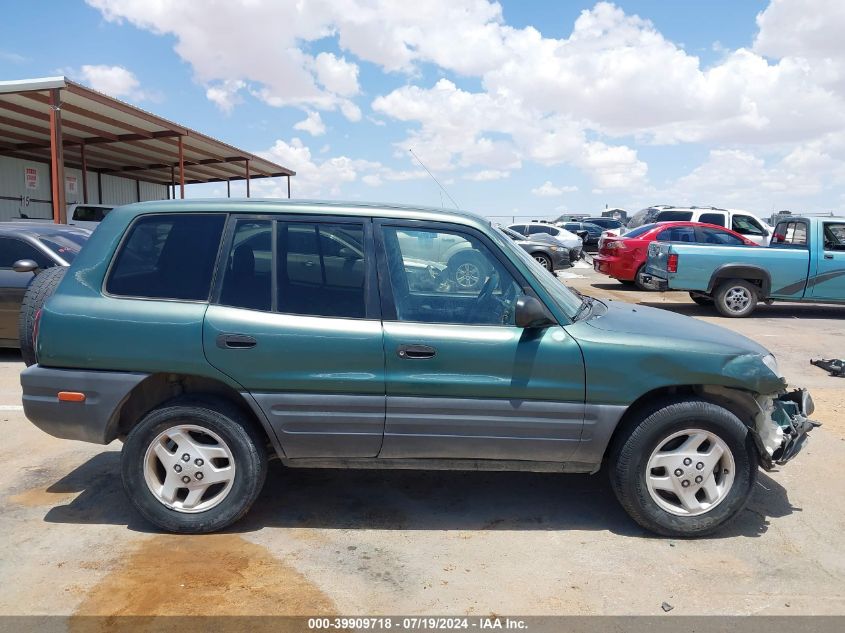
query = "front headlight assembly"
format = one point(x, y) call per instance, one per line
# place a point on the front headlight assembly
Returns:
point(771, 362)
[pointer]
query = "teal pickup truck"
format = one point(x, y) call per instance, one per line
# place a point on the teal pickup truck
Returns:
point(805, 262)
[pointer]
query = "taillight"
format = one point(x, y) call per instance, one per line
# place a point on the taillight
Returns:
point(672, 263)
point(35, 325)
point(614, 245)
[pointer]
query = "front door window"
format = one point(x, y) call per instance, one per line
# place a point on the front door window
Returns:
point(448, 277)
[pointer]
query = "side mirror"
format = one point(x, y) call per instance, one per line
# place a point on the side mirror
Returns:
point(25, 266)
point(530, 313)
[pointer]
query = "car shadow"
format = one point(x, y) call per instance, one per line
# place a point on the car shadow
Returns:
point(616, 286)
point(775, 311)
point(406, 500)
point(10, 355)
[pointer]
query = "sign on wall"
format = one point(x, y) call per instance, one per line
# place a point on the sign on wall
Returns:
point(30, 175)
point(71, 185)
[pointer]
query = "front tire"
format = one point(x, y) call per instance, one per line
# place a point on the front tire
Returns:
point(194, 466)
point(736, 298)
point(692, 441)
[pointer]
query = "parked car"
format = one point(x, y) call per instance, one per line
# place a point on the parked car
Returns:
point(624, 257)
point(804, 262)
point(171, 334)
point(87, 216)
point(607, 224)
point(587, 231)
point(742, 222)
point(543, 248)
point(27, 248)
point(572, 242)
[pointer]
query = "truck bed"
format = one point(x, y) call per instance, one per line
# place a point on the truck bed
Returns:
point(698, 264)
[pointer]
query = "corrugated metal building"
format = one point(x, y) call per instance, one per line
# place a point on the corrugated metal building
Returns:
point(103, 150)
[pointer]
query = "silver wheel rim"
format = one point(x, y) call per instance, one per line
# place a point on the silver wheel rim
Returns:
point(467, 275)
point(737, 299)
point(543, 262)
point(189, 468)
point(690, 472)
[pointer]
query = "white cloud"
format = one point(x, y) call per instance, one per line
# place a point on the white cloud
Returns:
point(351, 111)
point(226, 94)
point(115, 81)
point(586, 99)
point(548, 190)
point(321, 178)
point(313, 124)
point(337, 75)
point(485, 175)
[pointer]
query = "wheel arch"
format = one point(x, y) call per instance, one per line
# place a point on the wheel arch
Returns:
point(748, 272)
point(741, 403)
point(159, 388)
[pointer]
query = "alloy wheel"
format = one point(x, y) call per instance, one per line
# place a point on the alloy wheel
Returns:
point(690, 472)
point(189, 468)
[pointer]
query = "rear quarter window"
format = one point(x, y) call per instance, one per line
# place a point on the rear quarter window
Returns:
point(167, 256)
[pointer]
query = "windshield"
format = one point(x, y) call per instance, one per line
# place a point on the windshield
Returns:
point(643, 216)
point(563, 296)
point(90, 214)
point(65, 245)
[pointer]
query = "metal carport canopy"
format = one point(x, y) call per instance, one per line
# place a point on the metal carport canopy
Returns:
point(44, 119)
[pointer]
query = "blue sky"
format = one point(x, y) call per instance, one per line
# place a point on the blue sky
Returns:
point(519, 108)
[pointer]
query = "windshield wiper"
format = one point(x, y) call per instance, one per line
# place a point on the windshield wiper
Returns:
point(586, 303)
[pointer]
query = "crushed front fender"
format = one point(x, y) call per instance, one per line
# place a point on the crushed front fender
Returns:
point(782, 424)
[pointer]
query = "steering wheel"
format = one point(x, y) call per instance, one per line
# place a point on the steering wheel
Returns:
point(486, 294)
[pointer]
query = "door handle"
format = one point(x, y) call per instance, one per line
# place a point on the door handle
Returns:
point(828, 255)
point(235, 341)
point(414, 352)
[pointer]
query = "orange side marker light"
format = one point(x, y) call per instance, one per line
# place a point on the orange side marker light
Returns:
point(71, 396)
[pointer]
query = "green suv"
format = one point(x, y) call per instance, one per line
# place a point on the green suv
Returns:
point(212, 335)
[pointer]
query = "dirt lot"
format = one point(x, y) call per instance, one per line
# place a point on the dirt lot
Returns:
point(435, 543)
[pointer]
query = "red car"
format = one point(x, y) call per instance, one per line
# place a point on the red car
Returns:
point(623, 257)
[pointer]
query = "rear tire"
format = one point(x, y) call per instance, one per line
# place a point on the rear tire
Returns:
point(638, 281)
point(543, 260)
point(642, 468)
point(222, 447)
point(40, 289)
point(736, 298)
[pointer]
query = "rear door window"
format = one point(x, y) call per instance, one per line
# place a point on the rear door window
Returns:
point(168, 256)
point(541, 228)
point(712, 218)
point(247, 280)
point(706, 235)
point(321, 269)
point(677, 234)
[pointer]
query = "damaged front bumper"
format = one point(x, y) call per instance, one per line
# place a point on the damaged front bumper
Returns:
point(782, 424)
